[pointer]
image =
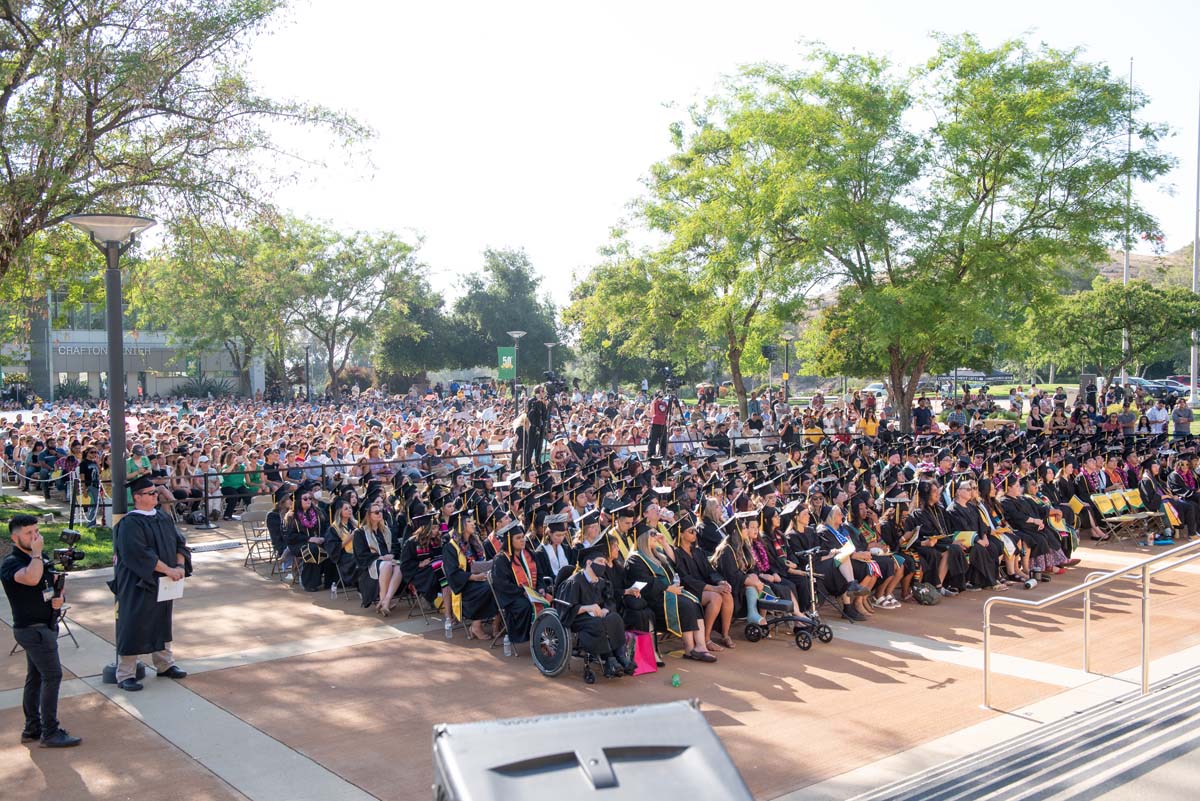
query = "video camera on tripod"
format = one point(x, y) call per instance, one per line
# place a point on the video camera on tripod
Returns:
point(555, 384)
point(63, 560)
point(671, 383)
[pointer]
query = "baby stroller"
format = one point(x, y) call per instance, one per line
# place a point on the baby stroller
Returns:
point(777, 612)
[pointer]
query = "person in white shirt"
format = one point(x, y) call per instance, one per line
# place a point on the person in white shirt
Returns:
point(1158, 416)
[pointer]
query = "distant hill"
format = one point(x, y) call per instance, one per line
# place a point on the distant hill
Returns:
point(1163, 269)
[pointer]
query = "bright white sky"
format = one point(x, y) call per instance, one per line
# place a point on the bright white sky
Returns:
point(530, 124)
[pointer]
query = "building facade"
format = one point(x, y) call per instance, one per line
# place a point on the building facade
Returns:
point(70, 344)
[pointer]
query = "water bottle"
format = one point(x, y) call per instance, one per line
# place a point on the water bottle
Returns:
point(508, 649)
point(449, 628)
point(675, 682)
point(333, 592)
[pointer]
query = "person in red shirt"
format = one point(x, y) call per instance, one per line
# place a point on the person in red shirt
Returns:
point(660, 407)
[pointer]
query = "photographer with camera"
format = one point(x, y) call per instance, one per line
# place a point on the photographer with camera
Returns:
point(539, 416)
point(36, 598)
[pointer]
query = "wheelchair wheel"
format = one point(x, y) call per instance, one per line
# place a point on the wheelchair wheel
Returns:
point(550, 644)
point(824, 633)
point(803, 641)
point(754, 632)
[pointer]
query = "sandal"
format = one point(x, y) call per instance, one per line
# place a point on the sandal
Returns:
point(722, 640)
point(699, 656)
point(713, 647)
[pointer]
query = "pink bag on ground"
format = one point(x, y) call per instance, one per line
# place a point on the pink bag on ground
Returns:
point(641, 645)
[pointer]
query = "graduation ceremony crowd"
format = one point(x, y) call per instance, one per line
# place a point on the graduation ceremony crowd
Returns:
point(635, 514)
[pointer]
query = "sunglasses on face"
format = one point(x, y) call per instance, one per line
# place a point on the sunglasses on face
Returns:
point(306, 497)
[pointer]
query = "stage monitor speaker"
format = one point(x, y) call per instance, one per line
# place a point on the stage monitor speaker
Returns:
point(629, 753)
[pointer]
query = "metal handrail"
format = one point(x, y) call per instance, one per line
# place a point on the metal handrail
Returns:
point(1093, 582)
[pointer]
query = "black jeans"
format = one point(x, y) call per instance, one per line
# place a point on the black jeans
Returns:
point(42, 677)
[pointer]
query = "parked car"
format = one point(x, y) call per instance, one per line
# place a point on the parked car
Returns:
point(1152, 388)
point(878, 389)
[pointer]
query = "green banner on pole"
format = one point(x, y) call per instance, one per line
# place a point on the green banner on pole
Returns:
point(506, 359)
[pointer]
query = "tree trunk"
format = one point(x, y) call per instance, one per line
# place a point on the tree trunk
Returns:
point(739, 385)
point(1053, 370)
point(904, 388)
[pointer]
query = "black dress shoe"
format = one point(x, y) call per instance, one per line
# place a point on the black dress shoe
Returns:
point(60, 739)
point(850, 613)
point(130, 685)
point(627, 664)
point(611, 668)
point(31, 735)
point(173, 672)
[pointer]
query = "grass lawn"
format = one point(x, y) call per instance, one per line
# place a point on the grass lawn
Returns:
point(96, 543)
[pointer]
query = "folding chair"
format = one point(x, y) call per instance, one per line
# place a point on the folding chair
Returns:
point(416, 604)
point(341, 586)
point(259, 548)
point(1113, 519)
point(501, 632)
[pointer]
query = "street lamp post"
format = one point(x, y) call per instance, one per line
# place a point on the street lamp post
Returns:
point(550, 355)
point(516, 335)
point(308, 373)
point(112, 234)
point(787, 337)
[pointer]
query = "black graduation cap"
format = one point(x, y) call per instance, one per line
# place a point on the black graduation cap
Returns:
point(588, 518)
point(599, 550)
point(138, 484)
point(683, 522)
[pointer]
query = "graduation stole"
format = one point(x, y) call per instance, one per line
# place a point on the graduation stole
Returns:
point(670, 599)
point(622, 545)
point(526, 575)
point(463, 564)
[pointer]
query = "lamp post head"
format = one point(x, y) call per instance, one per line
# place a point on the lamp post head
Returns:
point(516, 334)
point(787, 336)
point(549, 344)
point(105, 228)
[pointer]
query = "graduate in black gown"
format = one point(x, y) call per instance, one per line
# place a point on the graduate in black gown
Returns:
point(470, 596)
point(556, 556)
point(701, 580)
point(943, 561)
point(588, 607)
point(147, 546)
point(304, 533)
point(983, 558)
point(675, 609)
point(339, 541)
point(374, 551)
point(421, 558)
point(1030, 527)
point(514, 570)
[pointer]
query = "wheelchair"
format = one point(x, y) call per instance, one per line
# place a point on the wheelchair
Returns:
point(552, 646)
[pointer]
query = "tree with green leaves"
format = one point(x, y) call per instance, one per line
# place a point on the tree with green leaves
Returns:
point(227, 288)
point(631, 314)
point(1084, 329)
point(723, 199)
point(345, 288)
point(939, 232)
point(141, 106)
point(505, 296)
point(415, 334)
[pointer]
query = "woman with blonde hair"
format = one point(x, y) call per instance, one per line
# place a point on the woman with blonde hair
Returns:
point(374, 553)
point(675, 609)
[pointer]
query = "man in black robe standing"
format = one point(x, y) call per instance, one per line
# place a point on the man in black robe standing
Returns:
point(147, 546)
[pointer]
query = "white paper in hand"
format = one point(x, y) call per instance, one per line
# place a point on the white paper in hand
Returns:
point(169, 590)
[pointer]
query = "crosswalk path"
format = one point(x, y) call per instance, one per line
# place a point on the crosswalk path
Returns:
point(1080, 757)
